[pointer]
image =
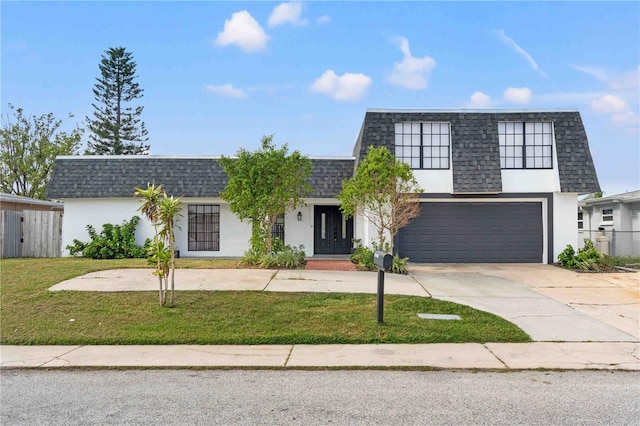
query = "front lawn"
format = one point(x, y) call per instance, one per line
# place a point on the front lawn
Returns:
point(32, 315)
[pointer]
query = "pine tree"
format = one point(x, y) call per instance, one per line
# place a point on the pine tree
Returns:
point(116, 126)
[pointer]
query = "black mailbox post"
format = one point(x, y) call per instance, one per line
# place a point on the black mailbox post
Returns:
point(383, 261)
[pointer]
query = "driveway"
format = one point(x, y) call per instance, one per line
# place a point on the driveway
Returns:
point(548, 302)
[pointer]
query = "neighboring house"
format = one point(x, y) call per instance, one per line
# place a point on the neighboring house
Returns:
point(616, 217)
point(500, 186)
point(18, 203)
point(29, 227)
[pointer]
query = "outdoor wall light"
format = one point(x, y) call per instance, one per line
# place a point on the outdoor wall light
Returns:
point(299, 216)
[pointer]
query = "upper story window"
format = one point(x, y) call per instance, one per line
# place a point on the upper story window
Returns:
point(607, 216)
point(423, 145)
point(526, 145)
point(580, 221)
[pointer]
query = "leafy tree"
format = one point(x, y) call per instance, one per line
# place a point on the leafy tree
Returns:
point(384, 191)
point(264, 184)
point(116, 126)
point(29, 147)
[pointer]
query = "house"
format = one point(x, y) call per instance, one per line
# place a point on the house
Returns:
point(500, 186)
point(614, 219)
point(13, 202)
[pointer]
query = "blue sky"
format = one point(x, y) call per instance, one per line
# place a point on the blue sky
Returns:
point(219, 75)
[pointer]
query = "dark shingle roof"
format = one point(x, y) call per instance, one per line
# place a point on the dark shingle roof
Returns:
point(117, 176)
point(474, 145)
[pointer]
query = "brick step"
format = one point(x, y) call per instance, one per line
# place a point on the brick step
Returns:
point(330, 265)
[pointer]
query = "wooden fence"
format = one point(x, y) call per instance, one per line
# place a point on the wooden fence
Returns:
point(30, 233)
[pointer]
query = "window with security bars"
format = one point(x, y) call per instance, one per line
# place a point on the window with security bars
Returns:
point(526, 145)
point(423, 145)
point(204, 227)
point(277, 230)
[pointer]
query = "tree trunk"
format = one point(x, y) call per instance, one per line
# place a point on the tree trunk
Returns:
point(173, 267)
point(160, 292)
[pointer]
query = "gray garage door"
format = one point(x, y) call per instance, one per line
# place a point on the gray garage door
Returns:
point(474, 232)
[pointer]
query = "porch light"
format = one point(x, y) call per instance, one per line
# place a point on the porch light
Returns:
point(299, 216)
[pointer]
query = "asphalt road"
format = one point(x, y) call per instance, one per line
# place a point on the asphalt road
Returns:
point(57, 397)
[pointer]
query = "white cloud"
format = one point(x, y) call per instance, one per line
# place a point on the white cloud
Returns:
point(480, 100)
point(348, 87)
point(520, 51)
point(518, 95)
point(597, 73)
point(324, 19)
point(243, 31)
point(621, 113)
point(226, 90)
point(626, 81)
point(609, 104)
point(287, 13)
point(411, 73)
point(626, 119)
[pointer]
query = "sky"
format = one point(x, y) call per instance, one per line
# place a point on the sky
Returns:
point(217, 76)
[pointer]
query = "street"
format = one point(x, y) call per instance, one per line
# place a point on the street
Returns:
point(73, 397)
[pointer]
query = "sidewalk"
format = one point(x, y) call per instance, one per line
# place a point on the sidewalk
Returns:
point(489, 356)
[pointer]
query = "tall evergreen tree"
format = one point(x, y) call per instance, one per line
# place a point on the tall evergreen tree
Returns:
point(116, 128)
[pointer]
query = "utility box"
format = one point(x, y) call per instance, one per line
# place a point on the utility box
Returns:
point(382, 260)
point(603, 245)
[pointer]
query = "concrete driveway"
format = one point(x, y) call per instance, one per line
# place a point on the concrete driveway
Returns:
point(549, 303)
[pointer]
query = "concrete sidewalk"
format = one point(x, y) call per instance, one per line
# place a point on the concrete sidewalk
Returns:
point(489, 356)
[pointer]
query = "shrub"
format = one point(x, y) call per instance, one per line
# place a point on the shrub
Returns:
point(114, 242)
point(586, 259)
point(288, 258)
point(362, 257)
point(400, 265)
point(568, 257)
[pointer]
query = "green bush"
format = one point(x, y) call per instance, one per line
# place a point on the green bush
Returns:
point(362, 257)
point(587, 258)
point(568, 257)
point(114, 242)
point(287, 258)
point(400, 265)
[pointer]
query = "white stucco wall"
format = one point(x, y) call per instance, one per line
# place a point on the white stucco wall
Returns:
point(565, 224)
point(527, 181)
point(234, 235)
point(80, 212)
point(435, 181)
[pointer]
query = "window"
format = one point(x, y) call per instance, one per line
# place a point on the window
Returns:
point(580, 221)
point(277, 230)
point(526, 145)
point(423, 145)
point(607, 215)
point(204, 227)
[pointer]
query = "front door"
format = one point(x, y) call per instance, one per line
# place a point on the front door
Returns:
point(333, 232)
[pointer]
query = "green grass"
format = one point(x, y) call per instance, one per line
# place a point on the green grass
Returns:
point(31, 315)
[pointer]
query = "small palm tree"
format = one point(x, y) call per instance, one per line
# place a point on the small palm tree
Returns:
point(149, 208)
point(168, 211)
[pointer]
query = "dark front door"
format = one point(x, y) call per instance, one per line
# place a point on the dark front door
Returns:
point(333, 233)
